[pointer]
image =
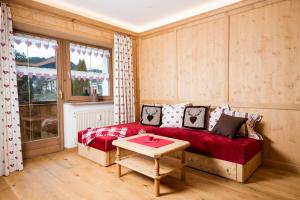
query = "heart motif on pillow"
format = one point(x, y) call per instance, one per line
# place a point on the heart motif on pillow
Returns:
point(150, 117)
point(193, 119)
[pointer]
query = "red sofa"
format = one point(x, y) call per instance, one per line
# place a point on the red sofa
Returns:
point(208, 152)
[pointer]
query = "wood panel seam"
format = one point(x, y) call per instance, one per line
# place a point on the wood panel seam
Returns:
point(227, 49)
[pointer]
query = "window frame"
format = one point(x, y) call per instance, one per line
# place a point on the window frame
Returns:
point(67, 75)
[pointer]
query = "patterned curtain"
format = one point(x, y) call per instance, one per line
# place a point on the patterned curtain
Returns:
point(10, 139)
point(124, 109)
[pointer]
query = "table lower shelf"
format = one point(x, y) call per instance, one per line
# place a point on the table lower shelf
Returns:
point(145, 165)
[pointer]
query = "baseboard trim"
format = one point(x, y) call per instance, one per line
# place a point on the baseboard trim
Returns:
point(73, 149)
point(282, 166)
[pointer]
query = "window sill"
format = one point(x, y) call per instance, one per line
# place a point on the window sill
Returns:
point(89, 102)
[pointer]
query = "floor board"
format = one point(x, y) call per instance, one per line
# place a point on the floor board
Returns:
point(65, 175)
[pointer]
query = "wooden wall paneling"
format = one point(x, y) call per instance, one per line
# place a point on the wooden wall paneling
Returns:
point(295, 42)
point(135, 50)
point(185, 25)
point(202, 62)
point(235, 8)
point(280, 129)
point(264, 68)
point(226, 57)
point(145, 69)
point(260, 70)
point(93, 32)
point(41, 19)
point(251, 6)
point(158, 74)
point(266, 106)
point(245, 4)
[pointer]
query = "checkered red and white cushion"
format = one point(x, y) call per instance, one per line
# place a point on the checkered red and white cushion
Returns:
point(91, 134)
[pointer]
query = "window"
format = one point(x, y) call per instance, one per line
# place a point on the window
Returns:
point(36, 69)
point(89, 72)
point(37, 89)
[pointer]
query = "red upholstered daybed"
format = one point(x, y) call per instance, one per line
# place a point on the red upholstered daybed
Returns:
point(235, 159)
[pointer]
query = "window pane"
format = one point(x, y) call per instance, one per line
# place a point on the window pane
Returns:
point(42, 62)
point(89, 71)
point(37, 73)
point(21, 56)
point(36, 80)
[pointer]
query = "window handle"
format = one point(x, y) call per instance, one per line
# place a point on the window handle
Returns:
point(60, 93)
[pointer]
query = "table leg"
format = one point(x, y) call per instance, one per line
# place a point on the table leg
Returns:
point(156, 180)
point(156, 187)
point(118, 165)
point(183, 168)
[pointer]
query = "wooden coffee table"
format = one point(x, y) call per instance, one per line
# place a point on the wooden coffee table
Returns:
point(151, 161)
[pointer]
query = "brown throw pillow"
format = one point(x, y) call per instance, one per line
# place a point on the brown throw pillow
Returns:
point(228, 125)
point(248, 129)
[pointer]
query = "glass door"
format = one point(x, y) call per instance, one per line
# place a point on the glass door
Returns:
point(36, 61)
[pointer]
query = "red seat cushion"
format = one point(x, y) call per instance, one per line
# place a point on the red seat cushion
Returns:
point(203, 142)
point(237, 150)
point(104, 143)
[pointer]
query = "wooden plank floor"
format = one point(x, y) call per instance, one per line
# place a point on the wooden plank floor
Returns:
point(65, 175)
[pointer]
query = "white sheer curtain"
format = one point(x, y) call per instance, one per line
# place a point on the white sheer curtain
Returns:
point(10, 137)
point(34, 40)
point(80, 49)
point(124, 103)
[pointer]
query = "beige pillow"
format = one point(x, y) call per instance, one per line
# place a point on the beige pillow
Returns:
point(215, 115)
